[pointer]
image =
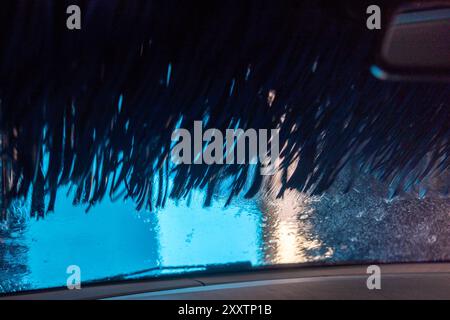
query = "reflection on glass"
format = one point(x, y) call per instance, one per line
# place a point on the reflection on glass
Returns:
point(287, 231)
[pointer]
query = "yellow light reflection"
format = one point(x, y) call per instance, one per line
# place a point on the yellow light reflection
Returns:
point(289, 235)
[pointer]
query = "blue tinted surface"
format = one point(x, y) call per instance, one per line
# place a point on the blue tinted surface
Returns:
point(114, 239)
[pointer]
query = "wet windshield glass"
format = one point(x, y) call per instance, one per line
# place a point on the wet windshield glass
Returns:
point(114, 239)
point(164, 138)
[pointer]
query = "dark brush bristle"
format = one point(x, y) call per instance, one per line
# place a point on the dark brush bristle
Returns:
point(60, 90)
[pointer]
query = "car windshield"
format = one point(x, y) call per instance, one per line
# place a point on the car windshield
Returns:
point(90, 119)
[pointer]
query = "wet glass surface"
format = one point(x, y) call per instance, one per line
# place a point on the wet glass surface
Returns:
point(114, 239)
point(94, 111)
